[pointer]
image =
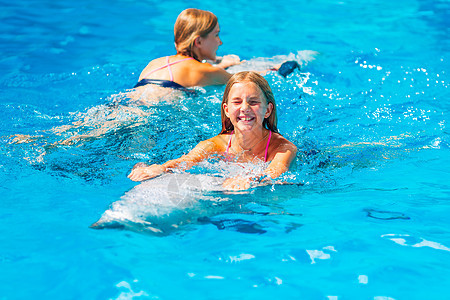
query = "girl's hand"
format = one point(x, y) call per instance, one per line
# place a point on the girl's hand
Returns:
point(140, 173)
point(240, 183)
point(237, 183)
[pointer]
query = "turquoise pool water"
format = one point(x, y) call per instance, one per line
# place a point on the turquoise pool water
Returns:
point(365, 218)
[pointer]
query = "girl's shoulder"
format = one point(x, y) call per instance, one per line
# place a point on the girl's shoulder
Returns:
point(220, 141)
point(280, 143)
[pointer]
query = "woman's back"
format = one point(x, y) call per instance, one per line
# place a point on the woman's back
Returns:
point(183, 70)
point(169, 68)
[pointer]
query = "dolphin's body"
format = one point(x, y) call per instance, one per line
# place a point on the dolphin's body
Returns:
point(162, 204)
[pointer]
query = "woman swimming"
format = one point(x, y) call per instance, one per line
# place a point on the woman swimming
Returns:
point(196, 39)
point(249, 134)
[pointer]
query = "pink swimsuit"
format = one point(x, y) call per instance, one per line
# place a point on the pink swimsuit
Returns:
point(168, 67)
point(267, 146)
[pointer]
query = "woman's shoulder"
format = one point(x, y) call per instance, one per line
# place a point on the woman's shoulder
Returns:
point(152, 65)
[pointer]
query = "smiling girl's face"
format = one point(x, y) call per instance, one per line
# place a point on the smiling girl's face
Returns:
point(247, 107)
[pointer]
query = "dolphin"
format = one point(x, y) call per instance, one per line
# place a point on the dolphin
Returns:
point(162, 204)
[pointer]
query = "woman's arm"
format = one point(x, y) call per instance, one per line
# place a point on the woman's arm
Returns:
point(228, 61)
point(203, 150)
point(208, 74)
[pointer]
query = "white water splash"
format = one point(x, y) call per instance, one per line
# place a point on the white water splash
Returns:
point(407, 240)
point(241, 257)
point(128, 293)
point(265, 63)
point(363, 279)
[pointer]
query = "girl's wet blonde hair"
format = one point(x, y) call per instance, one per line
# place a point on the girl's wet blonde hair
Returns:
point(191, 24)
point(249, 76)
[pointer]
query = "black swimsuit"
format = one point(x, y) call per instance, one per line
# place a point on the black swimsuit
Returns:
point(164, 83)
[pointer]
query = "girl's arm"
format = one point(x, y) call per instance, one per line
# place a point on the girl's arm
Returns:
point(282, 160)
point(203, 150)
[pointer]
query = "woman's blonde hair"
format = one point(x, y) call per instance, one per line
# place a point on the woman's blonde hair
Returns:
point(191, 24)
point(249, 76)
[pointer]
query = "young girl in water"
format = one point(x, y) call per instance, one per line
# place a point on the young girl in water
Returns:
point(196, 39)
point(249, 134)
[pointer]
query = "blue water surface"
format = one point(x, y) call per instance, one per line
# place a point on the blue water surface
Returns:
point(365, 215)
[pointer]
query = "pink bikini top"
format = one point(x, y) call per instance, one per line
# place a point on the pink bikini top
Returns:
point(168, 67)
point(267, 146)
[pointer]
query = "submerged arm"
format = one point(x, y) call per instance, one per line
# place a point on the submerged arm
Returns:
point(199, 153)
